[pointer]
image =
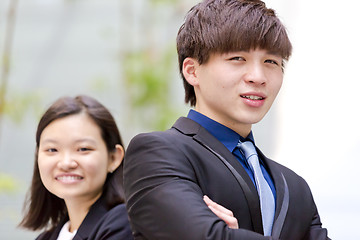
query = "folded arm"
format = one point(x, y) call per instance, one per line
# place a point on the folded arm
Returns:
point(163, 198)
point(225, 214)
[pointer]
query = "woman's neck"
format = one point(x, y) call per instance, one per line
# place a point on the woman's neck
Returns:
point(77, 211)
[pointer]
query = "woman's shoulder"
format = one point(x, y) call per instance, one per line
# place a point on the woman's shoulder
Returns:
point(116, 217)
point(114, 224)
point(118, 212)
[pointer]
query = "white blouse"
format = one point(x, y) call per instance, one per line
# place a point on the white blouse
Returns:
point(65, 234)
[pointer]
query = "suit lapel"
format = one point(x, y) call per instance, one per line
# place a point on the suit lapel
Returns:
point(203, 137)
point(282, 195)
point(209, 142)
point(97, 210)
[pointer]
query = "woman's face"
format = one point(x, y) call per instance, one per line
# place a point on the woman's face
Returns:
point(73, 159)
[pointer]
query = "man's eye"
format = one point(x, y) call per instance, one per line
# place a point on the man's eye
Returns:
point(272, 61)
point(237, 58)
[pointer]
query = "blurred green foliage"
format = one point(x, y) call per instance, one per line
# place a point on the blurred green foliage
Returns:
point(148, 84)
point(13, 105)
point(8, 184)
point(18, 104)
point(150, 72)
point(15, 108)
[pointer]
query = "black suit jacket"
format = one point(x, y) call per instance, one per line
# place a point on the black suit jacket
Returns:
point(100, 223)
point(167, 173)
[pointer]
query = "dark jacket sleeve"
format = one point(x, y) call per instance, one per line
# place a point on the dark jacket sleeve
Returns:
point(316, 232)
point(164, 200)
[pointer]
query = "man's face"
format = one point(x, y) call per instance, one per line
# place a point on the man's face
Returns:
point(237, 89)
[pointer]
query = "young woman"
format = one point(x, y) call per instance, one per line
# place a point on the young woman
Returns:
point(76, 190)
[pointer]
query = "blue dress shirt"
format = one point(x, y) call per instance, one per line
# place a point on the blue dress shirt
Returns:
point(230, 139)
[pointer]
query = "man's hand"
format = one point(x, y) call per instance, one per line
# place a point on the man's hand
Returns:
point(225, 214)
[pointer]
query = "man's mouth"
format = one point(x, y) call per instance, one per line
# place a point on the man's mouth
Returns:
point(252, 97)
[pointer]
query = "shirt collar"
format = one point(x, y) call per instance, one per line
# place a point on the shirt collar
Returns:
point(225, 135)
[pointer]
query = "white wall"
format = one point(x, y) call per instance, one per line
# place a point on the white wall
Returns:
point(318, 112)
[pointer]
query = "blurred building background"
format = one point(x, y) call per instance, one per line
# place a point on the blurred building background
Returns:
point(123, 53)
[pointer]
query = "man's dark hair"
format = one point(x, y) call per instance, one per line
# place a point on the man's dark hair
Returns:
point(222, 26)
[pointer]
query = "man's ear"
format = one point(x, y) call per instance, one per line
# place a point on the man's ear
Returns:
point(189, 69)
point(116, 158)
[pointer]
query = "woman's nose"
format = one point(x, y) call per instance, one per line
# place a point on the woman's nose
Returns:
point(67, 162)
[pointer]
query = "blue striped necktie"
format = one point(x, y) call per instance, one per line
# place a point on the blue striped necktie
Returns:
point(267, 202)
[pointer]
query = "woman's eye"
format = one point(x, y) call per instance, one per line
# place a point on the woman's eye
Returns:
point(84, 149)
point(51, 150)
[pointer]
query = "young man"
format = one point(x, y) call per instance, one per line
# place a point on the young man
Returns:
point(231, 56)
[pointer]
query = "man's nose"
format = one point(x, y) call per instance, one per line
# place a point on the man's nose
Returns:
point(255, 74)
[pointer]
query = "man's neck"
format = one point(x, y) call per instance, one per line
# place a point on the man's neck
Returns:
point(243, 129)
